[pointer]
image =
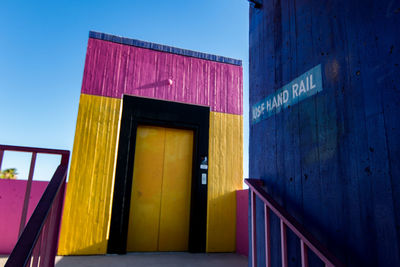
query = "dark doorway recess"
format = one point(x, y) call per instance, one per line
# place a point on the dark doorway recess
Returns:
point(144, 111)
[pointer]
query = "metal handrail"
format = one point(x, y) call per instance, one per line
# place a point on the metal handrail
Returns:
point(37, 245)
point(307, 240)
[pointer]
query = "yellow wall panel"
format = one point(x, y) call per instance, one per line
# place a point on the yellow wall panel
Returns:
point(87, 208)
point(225, 176)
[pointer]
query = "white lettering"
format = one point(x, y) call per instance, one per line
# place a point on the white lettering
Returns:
point(254, 113)
point(295, 87)
point(274, 103)
point(312, 86)
point(279, 99)
point(285, 96)
point(302, 88)
point(269, 105)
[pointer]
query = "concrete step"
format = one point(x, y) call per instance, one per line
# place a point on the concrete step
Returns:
point(164, 259)
point(180, 259)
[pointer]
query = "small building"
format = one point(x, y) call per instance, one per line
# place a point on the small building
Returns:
point(158, 148)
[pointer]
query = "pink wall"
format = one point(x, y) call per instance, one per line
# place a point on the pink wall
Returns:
point(242, 211)
point(113, 69)
point(12, 193)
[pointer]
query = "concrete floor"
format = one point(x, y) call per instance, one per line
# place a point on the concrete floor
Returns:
point(3, 260)
point(180, 259)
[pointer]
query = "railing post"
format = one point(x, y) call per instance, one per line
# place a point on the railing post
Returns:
point(56, 218)
point(65, 158)
point(1, 158)
point(283, 244)
point(267, 236)
point(304, 254)
point(36, 252)
point(44, 244)
point(27, 194)
point(253, 230)
point(48, 261)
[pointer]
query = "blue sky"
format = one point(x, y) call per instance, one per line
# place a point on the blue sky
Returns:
point(42, 55)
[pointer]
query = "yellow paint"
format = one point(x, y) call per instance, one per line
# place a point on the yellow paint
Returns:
point(87, 208)
point(176, 191)
point(144, 214)
point(160, 199)
point(88, 202)
point(225, 176)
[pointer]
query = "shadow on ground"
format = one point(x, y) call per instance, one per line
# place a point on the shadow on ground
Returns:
point(180, 259)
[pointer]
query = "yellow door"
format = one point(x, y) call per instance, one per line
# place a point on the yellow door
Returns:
point(160, 197)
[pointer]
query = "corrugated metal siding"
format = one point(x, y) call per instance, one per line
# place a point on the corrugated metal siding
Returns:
point(225, 176)
point(113, 69)
point(334, 159)
point(87, 208)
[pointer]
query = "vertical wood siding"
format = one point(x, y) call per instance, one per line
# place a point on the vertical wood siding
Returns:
point(332, 160)
point(225, 176)
point(114, 69)
point(87, 208)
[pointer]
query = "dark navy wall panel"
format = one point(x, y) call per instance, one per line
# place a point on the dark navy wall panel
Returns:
point(333, 159)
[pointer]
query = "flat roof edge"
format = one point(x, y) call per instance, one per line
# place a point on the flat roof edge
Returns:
point(163, 48)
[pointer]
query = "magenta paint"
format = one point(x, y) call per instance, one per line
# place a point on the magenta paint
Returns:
point(113, 69)
point(12, 194)
point(242, 210)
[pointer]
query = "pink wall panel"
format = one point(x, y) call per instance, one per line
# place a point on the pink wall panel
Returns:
point(113, 69)
point(242, 211)
point(12, 193)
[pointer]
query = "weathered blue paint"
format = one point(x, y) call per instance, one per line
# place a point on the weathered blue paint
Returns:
point(304, 86)
point(333, 159)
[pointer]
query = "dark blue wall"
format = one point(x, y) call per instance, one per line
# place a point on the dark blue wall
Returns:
point(333, 160)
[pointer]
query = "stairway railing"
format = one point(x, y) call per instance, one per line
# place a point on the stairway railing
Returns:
point(38, 243)
point(307, 241)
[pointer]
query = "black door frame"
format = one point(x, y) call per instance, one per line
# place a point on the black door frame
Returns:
point(145, 111)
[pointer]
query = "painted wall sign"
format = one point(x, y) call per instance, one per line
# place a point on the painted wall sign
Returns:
point(304, 86)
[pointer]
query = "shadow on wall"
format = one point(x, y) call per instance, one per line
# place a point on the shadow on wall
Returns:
point(242, 211)
point(240, 228)
point(155, 84)
point(95, 249)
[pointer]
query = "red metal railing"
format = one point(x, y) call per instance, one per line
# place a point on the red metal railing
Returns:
point(307, 241)
point(38, 242)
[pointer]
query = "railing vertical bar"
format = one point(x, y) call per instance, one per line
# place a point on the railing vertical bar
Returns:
point(60, 207)
point(267, 236)
point(253, 229)
point(43, 246)
point(27, 193)
point(36, 252)
point(55, 221)
point(283, 244)
point(49, 238)
point(304, 254)
point(1, 158)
